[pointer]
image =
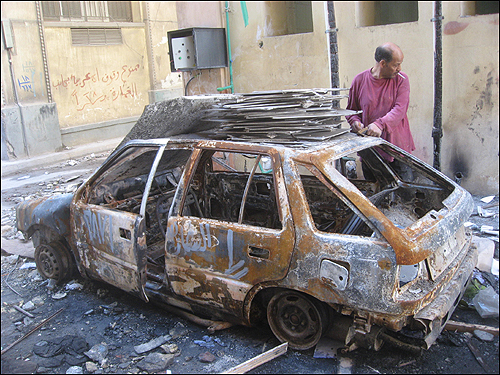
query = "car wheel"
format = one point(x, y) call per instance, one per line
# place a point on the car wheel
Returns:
point(53, 261)
point(297, 319)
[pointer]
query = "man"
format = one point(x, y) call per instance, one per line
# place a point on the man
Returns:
point(383, 94)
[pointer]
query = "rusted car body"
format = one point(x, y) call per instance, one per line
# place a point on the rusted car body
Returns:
point(237, 231)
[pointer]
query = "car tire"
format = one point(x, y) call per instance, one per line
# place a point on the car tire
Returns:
point(297, 319)
point(54, 261)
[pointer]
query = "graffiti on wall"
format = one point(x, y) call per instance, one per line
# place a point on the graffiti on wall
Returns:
point(99, 86)
point(27, 80)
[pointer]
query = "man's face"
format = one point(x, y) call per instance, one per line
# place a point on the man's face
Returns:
point(391, 69)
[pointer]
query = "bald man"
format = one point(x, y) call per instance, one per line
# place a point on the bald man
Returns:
point(383, 94)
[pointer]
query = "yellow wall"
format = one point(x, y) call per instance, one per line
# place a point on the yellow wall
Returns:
point(27, 60)
point(163, 17)
point(470, 84)
point(95, 84)
point(470, 106)
point(203, 14)
point(261, 62)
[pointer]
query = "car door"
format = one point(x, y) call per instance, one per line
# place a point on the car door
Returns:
point(110, 241)
point(230, 230)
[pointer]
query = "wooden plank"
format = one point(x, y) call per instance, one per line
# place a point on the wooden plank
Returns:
point(259, 360)
point(477, 354)
point(467, 327)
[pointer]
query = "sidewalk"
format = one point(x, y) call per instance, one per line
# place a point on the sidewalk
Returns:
point(15, 166)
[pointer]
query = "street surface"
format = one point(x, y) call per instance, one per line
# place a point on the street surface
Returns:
point(95, 313)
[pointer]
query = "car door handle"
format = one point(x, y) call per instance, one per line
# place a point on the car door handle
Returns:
point(125, 233)
point(257, 252)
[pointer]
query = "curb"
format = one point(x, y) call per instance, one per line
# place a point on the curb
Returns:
point(18, 166)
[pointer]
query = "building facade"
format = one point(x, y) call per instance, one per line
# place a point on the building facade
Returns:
point(80, 72)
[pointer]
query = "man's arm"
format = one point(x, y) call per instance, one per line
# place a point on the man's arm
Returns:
point(353, 104)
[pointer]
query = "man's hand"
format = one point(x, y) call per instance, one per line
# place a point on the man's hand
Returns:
point(356, 126)
point(374, 130)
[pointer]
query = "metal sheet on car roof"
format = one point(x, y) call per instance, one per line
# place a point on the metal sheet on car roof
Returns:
point(281, 116)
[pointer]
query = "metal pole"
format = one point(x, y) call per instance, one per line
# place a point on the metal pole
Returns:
point(231, 86)
point(44, 51)
point(334, 57)
point(437, 129)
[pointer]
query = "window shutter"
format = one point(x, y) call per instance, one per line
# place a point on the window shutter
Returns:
point(96, 37)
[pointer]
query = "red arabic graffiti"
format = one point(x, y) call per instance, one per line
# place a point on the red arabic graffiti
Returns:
point(96, 87)
point(92, 97)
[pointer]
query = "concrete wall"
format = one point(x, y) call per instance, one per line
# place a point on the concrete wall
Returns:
point(470, 93)
point(202, 14)
point(165, 84)
point(92, 84)
point(470, 84)
point(30, 130)
point(266, 62)
point(30, 123)
point(26, 55)
point(98, 91)
point(96, 132)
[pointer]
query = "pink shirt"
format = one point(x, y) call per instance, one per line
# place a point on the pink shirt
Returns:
point(384, 102)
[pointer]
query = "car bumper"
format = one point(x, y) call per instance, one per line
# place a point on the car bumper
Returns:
point(435, 315)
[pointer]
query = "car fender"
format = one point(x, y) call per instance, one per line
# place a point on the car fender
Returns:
point(49, 212)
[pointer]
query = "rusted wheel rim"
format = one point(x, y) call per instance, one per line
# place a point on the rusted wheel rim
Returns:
point(294, 318)
point(52, 261)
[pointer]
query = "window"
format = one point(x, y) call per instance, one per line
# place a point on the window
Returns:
point(375, 13)
point(328, 211)
point(103, 11)
point(472, 8)
point(123, 184)
point(288, 17)
point(95, 37)
point(234, 187)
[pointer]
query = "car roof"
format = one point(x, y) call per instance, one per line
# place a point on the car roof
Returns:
point(341, 144)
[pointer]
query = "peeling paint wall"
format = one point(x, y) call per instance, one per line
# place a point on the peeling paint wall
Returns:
point(470, 83)
point(470, 110)
point(264, 62)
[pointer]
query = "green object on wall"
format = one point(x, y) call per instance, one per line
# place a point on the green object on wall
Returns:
point(245, 12)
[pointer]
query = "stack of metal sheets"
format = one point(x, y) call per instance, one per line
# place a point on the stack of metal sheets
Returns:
point(284, 116)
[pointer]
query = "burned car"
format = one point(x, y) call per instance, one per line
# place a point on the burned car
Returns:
point(241, 231)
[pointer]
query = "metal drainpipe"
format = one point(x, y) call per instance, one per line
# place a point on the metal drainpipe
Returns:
point(228, 53)
point(437, 129)
point(334, 57)
point(151, 53)
point(44, 51)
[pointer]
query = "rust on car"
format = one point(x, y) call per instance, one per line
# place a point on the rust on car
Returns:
point(265, 217)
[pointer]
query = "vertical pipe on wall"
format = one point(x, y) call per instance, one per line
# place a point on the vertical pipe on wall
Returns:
point(334, 56)
point(149, 44)
point(437, 129)
point(44, 51)
point(231, 86)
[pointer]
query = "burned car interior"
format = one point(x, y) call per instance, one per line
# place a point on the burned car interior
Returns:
point(403, 202)
point(245, 195)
